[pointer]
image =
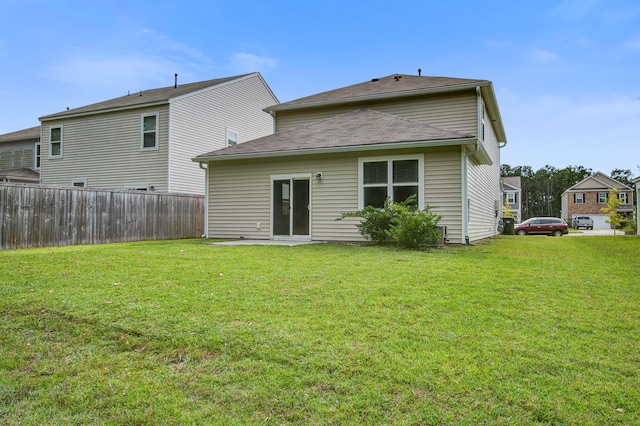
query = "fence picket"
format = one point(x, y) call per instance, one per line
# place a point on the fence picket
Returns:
point(39, 216)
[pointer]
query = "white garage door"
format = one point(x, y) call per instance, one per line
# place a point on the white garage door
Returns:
point(600, 221)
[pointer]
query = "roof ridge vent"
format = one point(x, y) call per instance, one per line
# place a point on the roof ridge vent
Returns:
point(397, 77)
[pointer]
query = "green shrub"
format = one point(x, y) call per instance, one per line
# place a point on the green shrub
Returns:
point(413, 228)
point(376, 223)
point(401, 222)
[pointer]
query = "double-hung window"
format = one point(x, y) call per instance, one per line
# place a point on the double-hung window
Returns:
point(36, 164)
point(55, 142)
point(511, 198)
point(578, 198)
point(622, 196)
point(602, 197)
point(149, 131)
point(396, 178)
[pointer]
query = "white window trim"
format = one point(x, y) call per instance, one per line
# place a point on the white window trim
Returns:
point(82, 181)
point(623, 197)
point(227, 133)
point(511, 198)
point(605, 198)
point(391, 158)
point(483, 128)
point(579, 197)
point(37, 156)
point(61, 142)
point(142, 132)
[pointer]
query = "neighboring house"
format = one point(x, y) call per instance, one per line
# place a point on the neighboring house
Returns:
point(146, 140)
point(589, 196)
point(434, 137)
point(20, 156)
point(512, 196)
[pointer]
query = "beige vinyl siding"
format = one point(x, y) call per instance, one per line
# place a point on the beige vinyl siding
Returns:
point(199, 123)
point(17, 155)
point(452, 111)
point(239, 194)
point(443, 188)
point(105, 150)
point(484, 190)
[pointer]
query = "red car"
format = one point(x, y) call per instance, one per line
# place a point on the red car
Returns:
point(542, 226)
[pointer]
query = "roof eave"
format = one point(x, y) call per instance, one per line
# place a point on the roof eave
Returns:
point(102, 111)
point(491, 103)
point(391, 95)
point(332, 150)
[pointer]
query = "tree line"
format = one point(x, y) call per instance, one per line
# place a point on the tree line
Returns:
point(542, 189)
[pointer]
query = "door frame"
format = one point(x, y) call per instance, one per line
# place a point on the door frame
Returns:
point(291, 177)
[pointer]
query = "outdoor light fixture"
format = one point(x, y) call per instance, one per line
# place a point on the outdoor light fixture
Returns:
point(319, 176)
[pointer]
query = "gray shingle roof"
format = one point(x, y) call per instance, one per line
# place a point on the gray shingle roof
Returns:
point(385, 86)
point(21, 135)
point(20, 174)
point(136, 99)
point(363, 127)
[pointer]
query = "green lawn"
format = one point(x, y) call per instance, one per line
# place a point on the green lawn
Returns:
point(519, 330)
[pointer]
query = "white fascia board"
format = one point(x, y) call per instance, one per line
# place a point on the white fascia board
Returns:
point(491, 104)
point(358, 148)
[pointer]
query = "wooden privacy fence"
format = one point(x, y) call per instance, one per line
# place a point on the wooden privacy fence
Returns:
point(37, 216)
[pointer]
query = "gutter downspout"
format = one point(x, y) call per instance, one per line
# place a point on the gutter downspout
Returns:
point(206, 199)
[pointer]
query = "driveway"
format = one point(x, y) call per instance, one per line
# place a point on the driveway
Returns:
point(593, 233)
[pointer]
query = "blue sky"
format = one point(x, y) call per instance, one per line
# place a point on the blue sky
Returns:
point(566, 73)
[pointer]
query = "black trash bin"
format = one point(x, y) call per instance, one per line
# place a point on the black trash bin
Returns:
point(509, 224)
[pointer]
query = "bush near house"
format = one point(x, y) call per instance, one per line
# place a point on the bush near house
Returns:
point(403, 223)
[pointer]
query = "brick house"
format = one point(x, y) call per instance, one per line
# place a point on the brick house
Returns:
point(589, 197)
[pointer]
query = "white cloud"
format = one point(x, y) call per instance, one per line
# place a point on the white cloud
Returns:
point(248, 62)
point(167, 46)
point(97, 70)
point(632, 44)
point(543, 55)
point(575, 9)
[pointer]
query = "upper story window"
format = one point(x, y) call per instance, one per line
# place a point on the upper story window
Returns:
point(55, 142)
point(232, 137)
point(623, 196)
point(602, 197)
point(511, 198)
point(397, 178)
point(578, 198)
point(36, 162)
point(149, 131)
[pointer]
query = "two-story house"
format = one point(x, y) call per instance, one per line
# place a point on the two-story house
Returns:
point(437, 138)
point(589, 196)
point(145, 140)
point(20, 156)
point(512, 197)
